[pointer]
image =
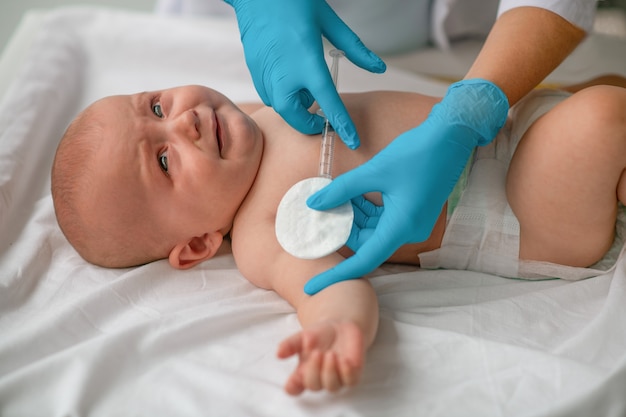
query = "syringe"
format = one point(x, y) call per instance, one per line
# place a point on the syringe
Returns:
point(306, 233)
point(328, 134)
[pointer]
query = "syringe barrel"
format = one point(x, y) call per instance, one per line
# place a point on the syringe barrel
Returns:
point(328, 134)
point(326, 151)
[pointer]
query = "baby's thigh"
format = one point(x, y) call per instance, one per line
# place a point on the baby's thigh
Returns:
point(564, 176)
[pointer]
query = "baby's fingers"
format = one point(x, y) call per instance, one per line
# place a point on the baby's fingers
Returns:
point(295, 385)
point(349, 373)
point(311, 371)
point(290, 346)
point(330, 373)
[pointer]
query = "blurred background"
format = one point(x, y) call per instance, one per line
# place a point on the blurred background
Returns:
point(11, 11)
point(611, 18)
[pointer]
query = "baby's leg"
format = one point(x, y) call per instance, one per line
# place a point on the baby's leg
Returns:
point(567, 176)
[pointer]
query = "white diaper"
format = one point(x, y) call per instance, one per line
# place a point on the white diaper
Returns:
point(482, 233)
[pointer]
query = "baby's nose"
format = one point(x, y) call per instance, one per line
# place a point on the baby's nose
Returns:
point(187, 124)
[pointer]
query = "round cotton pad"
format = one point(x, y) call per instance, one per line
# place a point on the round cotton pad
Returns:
point(306, 233)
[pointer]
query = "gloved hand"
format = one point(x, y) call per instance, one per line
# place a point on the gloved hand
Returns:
point(282, 42)
point(415, 174)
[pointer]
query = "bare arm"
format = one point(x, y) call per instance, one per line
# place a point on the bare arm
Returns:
point(328, 305)
point(524, 46)
point(338, 324)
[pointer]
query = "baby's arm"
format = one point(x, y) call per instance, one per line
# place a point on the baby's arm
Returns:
point(338, 324)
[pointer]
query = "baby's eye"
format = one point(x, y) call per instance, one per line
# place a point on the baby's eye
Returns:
point(163, 161)
point(157, 110)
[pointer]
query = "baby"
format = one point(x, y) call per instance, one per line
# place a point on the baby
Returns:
point(169, 174)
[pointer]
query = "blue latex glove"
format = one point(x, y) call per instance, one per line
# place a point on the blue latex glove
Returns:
point(415, 174)
point(282, 42)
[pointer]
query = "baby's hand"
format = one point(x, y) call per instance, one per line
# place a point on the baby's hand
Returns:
point(331, 357)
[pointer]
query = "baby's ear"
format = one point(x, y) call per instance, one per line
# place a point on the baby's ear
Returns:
point(200, 248)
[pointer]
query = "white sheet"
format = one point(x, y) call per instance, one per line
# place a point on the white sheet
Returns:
point(77, 340)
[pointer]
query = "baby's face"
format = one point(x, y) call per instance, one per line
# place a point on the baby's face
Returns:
point(184, 157)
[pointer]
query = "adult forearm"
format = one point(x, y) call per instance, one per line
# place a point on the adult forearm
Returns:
point(524, 46)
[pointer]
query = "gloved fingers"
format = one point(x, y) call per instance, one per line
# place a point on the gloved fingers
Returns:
point(320, 85)
point(306, 98)
point(366, 215)
point(372, 245)
point(336, 112)
point(342, 37)
point(342, 189)
point(358, 236)
point(323, 280)
point(294, 109)
point(367, 212)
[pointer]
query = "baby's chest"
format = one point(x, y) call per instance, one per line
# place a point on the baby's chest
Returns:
point(285, 163)
point(255, 245)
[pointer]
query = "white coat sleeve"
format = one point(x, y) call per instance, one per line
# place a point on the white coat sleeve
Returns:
point(578, 12)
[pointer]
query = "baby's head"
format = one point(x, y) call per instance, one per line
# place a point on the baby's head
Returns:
point(153, 175)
